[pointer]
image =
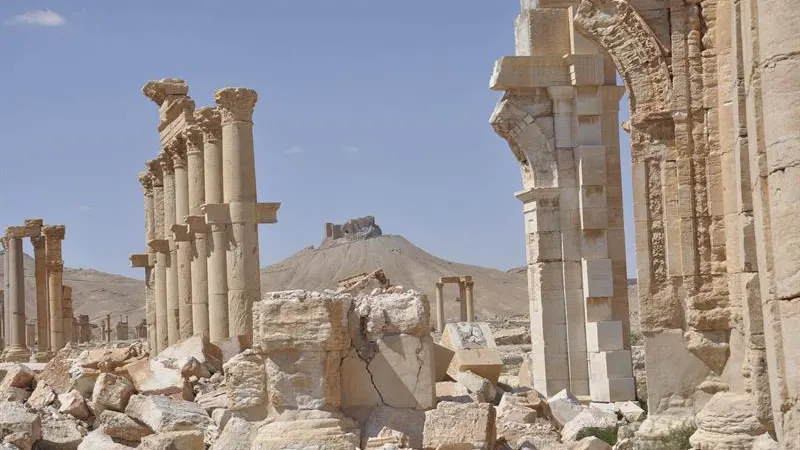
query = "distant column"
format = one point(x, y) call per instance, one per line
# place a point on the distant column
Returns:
point(42, 302)
point(241, 210)
point(66, 301)
point(173, 311)
point(108, 328)
point(16, 350)
point(470, 299)
point(439, 306)
point(197, 230)
point(210, 123)
point(4, 295)
point(53, 235)
point(462, 295)
point(182, 239)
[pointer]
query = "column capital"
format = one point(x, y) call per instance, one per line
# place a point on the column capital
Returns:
point(193, 135)
point(236, 104)
point(177, 150)
point(439, 284)
point(159, 90)
point(15, 232)
point(210, 122)
point(54, 231)
point(55, 266)
point(154, 168)
point(159, 245)
point(33, 227)
point(146, 180)
point(165, 161)
point(38, 242)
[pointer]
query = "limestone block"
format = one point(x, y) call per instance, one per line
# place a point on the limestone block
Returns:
point(164, 414)
point(542, 31)
point(451, 425)
point(246, 382)
point(604, 336)
point(513, 408)
point(17, 376)
point(73, 403)
point(173, 440)
point(467, 335)
point(671, 369)
point(546, 277)
point(631, 411)
point(358, 388)
point(451, 391)
point(594, 218)
point(597, 278)
point(97, 439)
point(393, 313)
point(232, 346)
point(237, 434)
point(302, 321)
point(308, 429)
point(60, 435)
point(512, 336)
point(598, 309)
point(303, 380)
point(589, 418)
point(511, 72)
point(221, 416)
point(591, 165)
point(604, 389)
point(486, 362)
point(525, 376)
point(197, 347)
point(403, 373)
point(483, 389)
point(215, 399)
point(111, 392)
point(564, 407)
point(594, 244)
point(614, 364)
point(119, 426)
point(544, 246)
point(409, 422)
point(42, 396)
point(152, 377)
point(586, 70)
point(441, 361)
point(15, 419)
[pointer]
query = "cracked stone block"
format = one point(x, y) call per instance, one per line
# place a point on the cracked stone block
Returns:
point(163, 414)
point(564, 407)
point(441, 360)
point(246, 382)
point(304, 380)
point(453, 425)
point(393, 313)
point(588, 418)
point(111, 392)
point(402, 371)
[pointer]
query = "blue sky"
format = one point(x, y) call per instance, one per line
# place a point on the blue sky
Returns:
point(365, 108)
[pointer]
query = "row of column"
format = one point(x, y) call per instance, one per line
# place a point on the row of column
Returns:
point(53, 314)
point(202, 266)
point(466, 299)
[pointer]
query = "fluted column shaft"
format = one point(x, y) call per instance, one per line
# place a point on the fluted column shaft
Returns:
point(199, 238)
point(210, 123)
point(42, 306)
point(239, 192)
point(182, 244)
point(16, 350)
point(173, 310)
point(54, 234)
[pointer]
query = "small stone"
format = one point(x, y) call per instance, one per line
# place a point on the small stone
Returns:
point(483, 389)
point(514, 409)
point(111, 392)
point(631, 411)
point(42, 396)
point(173, 440)
point(73, 403)
point(163, 414)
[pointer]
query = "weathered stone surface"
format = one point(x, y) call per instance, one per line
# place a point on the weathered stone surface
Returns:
point(119, 426)
point(97, 439)
point(74, 404)
point(441, 357)
point(588, 419)
point(152, 377)
point(630, 411)
point(452, 391)
point(512, 336)
point(13, 394)
point(564, 407)
point(727, 421)
point(409, 422)
point(42, 396)
point(591, 443)
point(481, 388)
point(402, 371)
point(308, 429)
point(513, 408)
point(246, 382)
point(111, 392)
point(670, 429)
point(214, 399)
point(452, 425)
point(18, 425)
point(197, 347)
point(393, 313)
point(173, 440)
point(467, 335)
point(302, 321)
point(233, 346)
point(18, 376)
point(237, 434)
point(164, 414)
point(60, 435)
point(303, 380)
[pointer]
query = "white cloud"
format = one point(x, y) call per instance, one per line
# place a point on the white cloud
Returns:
point(84, 208)
point(352, 150)
point(39, 17)
point(295, 150)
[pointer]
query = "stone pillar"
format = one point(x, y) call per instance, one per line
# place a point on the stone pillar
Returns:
point(147, 260)
point(439, 306)
point(54, 234)
point(173, 305)
point(198, 233)
point(4, 293)
point(16, 351)
point(209, 122)
point(42, 304)
point(462, 303)
point(182, 239)
point(160, 247)
point(108, 328)
point(30, 335)
point(241, 210)
point(469, 299)
point(66, 301)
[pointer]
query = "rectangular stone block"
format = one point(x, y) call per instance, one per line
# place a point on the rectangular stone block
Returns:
point(485, 362)
point(304, 380)
point(604, 336)
point(594, 218)
point(547, 276)
point(544, 246)
point(594, 244)
point(441, 361)
point(586, 70)
point(612, 389)
point(597, 278)
point(573, 277)
point(571, 243)
point(590, 130)
point(542, 31)
point(591, 165)
point(542, 219)
point(524, 72)
point(467, 335)
point(613, 364)
point(598, 309)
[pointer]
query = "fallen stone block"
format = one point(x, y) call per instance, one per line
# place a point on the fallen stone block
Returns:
point(213, 400)
point(482, 388)
point(408, 422)
point(451, 391)
point(442, 356)
point(19, 426)
point(17, 376)
point(514, 408)
point(111, 392)
point(512, 336)
point(60, 435)
point(467, 335)
point(392, 313)
point(589, 420)
point(246, 384)
point(12, 394)
point(152, 377)
point(221, 416)
point(474, 349)
point(198, 347)
point(42, 396)
point(591, 443)
point(458, 425)
point(74, 404)
point(387, 439)
point(303, 380)
point(97, 440)
point(630, 411)
point(118, 425)
point(164, 414)
point(173, 440)
point(563, 407)
point(237, 434)
point(308, 429)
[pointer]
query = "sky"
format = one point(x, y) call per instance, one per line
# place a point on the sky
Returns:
point(365, 108)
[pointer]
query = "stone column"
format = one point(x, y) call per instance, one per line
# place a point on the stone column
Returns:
point(54, 234)
point(210, 124)
point(4, 294)
point(108, 328)
point(241, 210)
point(197, 230)
point(182, 239)
point(66, 302)
point(42, 305)
point(16, 351)
point(439, 306)
point(160, 247)
point(146, 179)
point(173, 309)
point(462, 296)
point(470, 299)
point(30, 335)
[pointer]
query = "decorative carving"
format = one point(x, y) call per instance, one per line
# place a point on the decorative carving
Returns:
point(210, 122)
point(193, 135)
point(236, 104)
point(165, 160)
point(159, 90)
point(38, 242)
point(146, 179)
point(54, 231)
point(177, 149)
point(154, 168)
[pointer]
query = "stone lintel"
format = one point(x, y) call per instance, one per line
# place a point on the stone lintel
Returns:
point(159, 90)
point(179, 116)
point(159, 245)
point(216, 213)
point(525, 72)
point(534, 194)
point(197, 224)
point(585, 70)
point(15, 232)
point(33, 227)
point(181, 233)
point(54, 231)
point(465, 279)
point(267, 212)
point(139, 260)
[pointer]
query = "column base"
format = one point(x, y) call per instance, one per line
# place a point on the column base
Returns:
point(41, 356)
point(17, 354)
